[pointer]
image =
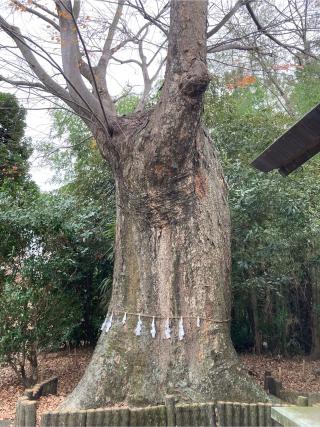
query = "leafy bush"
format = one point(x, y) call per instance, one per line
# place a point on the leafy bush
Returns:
point(33, 319)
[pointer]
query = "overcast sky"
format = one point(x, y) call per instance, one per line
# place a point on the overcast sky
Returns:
point(38, 128)
point(39, 121)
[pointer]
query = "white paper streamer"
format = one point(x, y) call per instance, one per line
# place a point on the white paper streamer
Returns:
point(153, 328)
point(124, 319)
point(109, 323)
point(104, 324)
point(138, 329)
point(198, 322)
point(167, 330)
point(181, 329)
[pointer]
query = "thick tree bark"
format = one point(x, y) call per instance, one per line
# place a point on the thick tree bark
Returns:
point(172, 259)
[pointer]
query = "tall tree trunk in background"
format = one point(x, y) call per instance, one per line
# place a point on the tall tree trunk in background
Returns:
point(255, 322)
point(315, 311)
point(172, 251)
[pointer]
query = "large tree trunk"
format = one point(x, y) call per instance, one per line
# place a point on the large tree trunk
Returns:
point(172, 259)
point(172, 255)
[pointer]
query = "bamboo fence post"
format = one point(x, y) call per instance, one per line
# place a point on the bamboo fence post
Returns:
point(221, 412)
point(171, 413)
point(185, 416)
point(261, 414)
point(124, 418)
point(30, 413)
point(245, 414)
point(236, 414)
point(178, 413)
point(65, 419)
point(229, 413)
point(18, 416)
point(195, 414)
point(253, 414)
point(20, 411)
point(99, 417)
point(302, 401)
point(211, 414)
point(46, 420)
point(91, 418)
point(268, 414)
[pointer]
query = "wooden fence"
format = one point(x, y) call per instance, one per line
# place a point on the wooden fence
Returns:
point(26, 410)
point(221, 414)
point(209, 414)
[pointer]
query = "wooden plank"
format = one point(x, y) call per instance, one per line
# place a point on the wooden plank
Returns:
point(76, 419)
point(261, 414)
point(268, 414)
point(229, 413)
point(221, 413)
point(297, 145)
point(46, 420)
point(98, 418)
point(155, 416)
point(211, 414)
point(178, 415)
point(170, 405)
point(137, 417)
point(237, 414)
point(182, 415)
point(245, 415)
point(108, 417)
point(253, 416)
point(91, 418)
point(30, 413)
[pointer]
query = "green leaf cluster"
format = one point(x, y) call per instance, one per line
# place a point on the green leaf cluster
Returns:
point(274, 222)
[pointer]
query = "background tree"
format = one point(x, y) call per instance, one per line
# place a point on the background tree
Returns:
point(274, 221)
point(54, 251)
point(15, 149)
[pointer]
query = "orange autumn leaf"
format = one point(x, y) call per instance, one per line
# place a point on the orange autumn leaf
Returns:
point(245, 81)
point(64, 14)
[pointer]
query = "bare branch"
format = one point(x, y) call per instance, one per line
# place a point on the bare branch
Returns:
point(264, 31)
point(227, 17)
point(76, 9)
point(80, 104)
point(35, 12)
point(127, 61)
point(230, 46)
point(45, 9)
point(154, 20)
point(22, 83)
point(43, 76)
point(70, 60)
point(106, 51)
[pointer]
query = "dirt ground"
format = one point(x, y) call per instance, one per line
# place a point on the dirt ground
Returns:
point(295, 375)
point(68, 367)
